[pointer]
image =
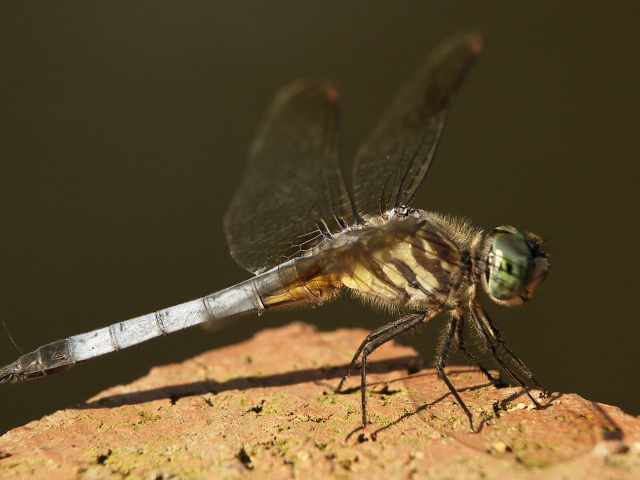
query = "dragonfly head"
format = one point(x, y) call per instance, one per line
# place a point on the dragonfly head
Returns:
point(516, 265)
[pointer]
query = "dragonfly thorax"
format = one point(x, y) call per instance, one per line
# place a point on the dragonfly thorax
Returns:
point(405, 260)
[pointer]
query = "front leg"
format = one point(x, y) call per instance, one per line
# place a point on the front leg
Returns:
point(487, 331)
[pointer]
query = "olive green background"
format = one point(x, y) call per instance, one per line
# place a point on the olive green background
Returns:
point(123, 131)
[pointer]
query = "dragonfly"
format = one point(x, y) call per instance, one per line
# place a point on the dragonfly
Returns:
point(306, 237)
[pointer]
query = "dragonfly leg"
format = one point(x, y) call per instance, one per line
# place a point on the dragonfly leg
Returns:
point(377, 338)
point(461, 347)
point(445, 345)
point(487, 332)
point(372, 337)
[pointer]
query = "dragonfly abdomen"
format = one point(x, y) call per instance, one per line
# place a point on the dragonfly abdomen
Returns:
point(303, 280)
point(64, 354)
point(281, 286)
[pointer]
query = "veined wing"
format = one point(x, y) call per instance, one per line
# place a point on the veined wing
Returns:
point(392, 163)
point(293, 195)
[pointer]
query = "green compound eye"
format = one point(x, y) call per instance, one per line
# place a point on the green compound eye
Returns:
point(508, 266)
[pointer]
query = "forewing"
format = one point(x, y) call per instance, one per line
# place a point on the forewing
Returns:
point(293, 194)
point(392, 163)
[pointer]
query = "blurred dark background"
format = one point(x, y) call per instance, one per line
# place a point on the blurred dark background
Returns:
point(123, 131)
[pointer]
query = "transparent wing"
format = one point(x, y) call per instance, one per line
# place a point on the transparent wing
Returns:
point(293, 195)
point(392, 163)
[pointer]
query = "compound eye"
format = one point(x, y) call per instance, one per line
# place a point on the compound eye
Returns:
point(508, 266)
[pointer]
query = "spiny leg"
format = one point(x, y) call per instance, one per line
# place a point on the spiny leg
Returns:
point(485, 335)
point(495, 333)
point(374, 335)
point(461, 347)
point(369, 346)
point(447, 338)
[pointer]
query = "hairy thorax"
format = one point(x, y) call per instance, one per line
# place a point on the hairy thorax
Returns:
point(418, 260)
